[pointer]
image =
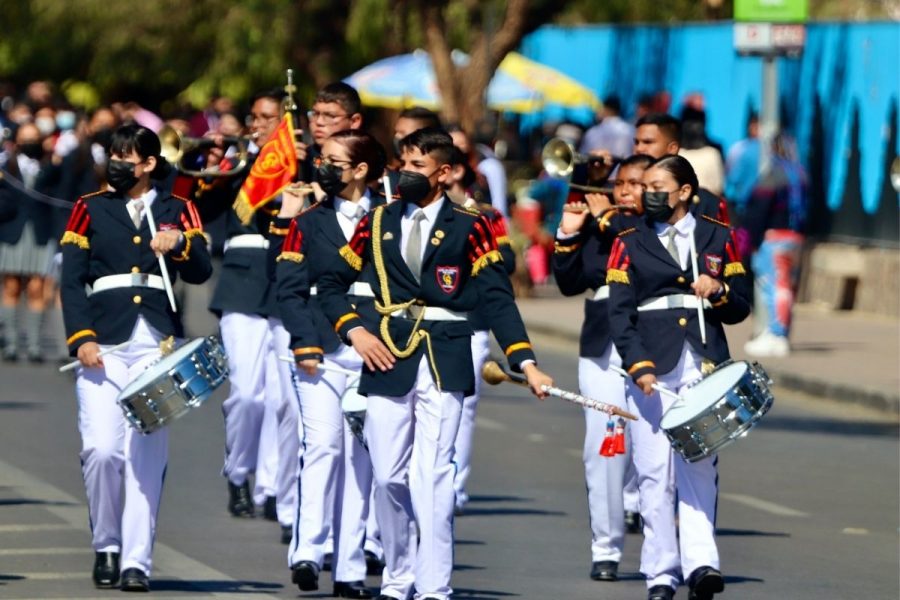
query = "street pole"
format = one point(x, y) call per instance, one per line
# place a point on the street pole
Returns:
point(769, 118)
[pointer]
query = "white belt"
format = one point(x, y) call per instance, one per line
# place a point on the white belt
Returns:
point(359, 288)
point(432, 313)
point(111, 282)
point(249, 240)
point(602, 293)
point(674, 301)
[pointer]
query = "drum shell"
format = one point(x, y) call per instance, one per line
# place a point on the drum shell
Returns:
point(727, 419)
point(184, 385)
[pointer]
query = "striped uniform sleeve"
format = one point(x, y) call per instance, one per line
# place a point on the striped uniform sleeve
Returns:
point(193, 262)
point(501, 235)
point(733, 305)
point(75, 246)
point(344, 270)
point(292, 287)
point(623, 313)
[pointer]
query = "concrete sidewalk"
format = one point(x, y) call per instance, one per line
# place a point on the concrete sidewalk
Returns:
point(847, 357)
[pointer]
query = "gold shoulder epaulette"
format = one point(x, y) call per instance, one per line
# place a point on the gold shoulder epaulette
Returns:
point(716, 221)
point(472, 212)
point(627, 231)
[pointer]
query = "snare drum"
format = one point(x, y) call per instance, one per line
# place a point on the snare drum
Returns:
point(353, 406)
point(718, 409)
point(174, 385)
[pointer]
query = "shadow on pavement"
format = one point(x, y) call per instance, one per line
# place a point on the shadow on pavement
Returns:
point(833, 426)
point(468, 594)
point(732, 579)
point(750, 533)
point(5, 578)
point(24, 501)
point(496, 512)
point(215, 587)
point(499, 499)
point(20, 405)
point(467, 568)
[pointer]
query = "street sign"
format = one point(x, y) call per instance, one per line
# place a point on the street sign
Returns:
point(772, 11)
point(769, 39)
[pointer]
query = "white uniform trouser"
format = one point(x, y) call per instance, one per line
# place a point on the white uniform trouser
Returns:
point(462, 448)
point(335, 474)
point(246, 338)
point(663, 476)
point(116, 460)
point(605, 476)
point(284, 435)
point(411, 440)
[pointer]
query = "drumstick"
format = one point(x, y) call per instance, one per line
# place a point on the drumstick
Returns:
point(662, 390)
point(324, 367)
point(75, 363)
point(700, 316)
point(493, 374)
point(162, 263)
point(386, 180)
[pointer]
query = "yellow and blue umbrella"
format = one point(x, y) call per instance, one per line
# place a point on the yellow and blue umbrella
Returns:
point(519, 85)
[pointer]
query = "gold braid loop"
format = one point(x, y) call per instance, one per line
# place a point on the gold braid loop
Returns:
point(386, 308)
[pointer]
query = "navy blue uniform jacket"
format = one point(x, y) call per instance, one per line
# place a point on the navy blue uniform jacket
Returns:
point(640, 268)
point(100, 240)
point(462, 268)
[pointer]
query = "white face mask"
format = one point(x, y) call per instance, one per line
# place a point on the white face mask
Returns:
point(46, 125)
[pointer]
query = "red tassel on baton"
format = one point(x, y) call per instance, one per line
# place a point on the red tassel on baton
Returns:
point(607, 448)
point(619, 438)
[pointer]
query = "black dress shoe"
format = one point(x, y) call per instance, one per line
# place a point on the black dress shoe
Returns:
point(287, 533)
point(270, 510)
point(306, 575)
point(106, 569)
point(633, 522)
point(351, 589)
point(660, 592)
point(240, 503)
point(605, 570)
point(704, 583)
point(135, 580)
point(374, 565)
point(326, 561)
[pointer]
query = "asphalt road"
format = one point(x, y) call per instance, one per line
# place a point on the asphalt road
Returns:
point(808, 505)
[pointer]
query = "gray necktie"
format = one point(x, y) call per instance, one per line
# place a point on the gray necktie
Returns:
point(671, 247)
point(137, 211)
point(414, 244)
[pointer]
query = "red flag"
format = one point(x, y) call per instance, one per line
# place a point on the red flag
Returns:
point(273, 170)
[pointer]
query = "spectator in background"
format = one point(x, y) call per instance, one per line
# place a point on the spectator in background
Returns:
point(478, 189)
point(611, 133)
point(775, 219)
point(742, 168)
point(488, 165)
point(705, 158)
point(26, 244)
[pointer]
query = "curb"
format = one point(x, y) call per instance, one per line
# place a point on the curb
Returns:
point(888, 403)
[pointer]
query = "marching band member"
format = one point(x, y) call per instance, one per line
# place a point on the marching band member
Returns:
point(109, 247)
point(581, 252)
point(433, 262)
point(655, 326)
point(336, 473)
point(462, 177)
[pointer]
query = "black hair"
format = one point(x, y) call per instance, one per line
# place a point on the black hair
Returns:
point(428, 118)
point(637, 160)
point(668, 125)
point(363, 148)
point(143, 142)
point(613, 104)
point(343, 95)
point(457, 157)
point(680, 169)
point(276, 95)
point(430, 140)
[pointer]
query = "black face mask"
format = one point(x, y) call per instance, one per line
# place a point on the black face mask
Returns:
point(656, 206)
point(120, 175)
point(328, 176)
point(31, 150)
point(413, 187)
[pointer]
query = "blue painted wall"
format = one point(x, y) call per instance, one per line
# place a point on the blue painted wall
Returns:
point(846, 83)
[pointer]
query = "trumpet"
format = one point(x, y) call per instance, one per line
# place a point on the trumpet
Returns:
point(174, 146)
point(558, 157)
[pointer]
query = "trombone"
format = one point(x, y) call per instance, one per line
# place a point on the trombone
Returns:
point(174, 146)
point(559, 158)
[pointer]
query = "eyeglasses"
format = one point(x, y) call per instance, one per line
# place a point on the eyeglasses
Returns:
point(326, 116)
point(252, 118)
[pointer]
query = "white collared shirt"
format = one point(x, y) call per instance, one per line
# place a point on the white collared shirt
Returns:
point(683, 228)
point(345, 208)
point(431, 212)
point(147, 198)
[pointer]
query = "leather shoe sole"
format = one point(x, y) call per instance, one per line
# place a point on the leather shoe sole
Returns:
point(605, 570)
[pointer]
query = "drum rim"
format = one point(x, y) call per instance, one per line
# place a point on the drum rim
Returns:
point(691, 400)
point(162, 367)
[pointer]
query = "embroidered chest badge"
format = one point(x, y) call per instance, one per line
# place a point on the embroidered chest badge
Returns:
point(713, 264)
point(447, 278)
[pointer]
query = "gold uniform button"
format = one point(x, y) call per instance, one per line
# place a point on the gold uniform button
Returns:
point(136, 239)
point(135, 270)
point(680, 279)
point(136, 299)
point(682, 321)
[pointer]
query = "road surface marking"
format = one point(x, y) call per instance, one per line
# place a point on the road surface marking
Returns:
point(536, 437)
point(855, 531)
point(35, 527)
point(489, 424)
point(166, 560)
point(764, 505)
